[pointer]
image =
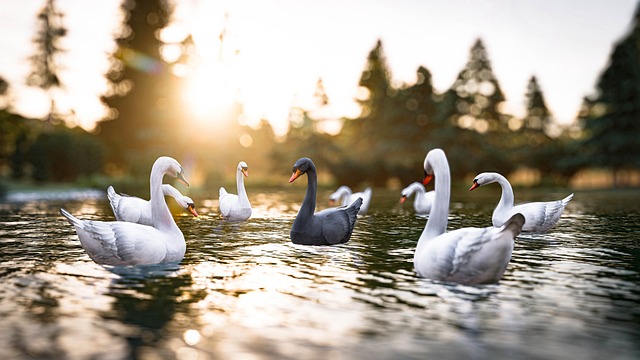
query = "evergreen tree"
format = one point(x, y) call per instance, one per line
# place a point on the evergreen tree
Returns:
point(363, 139)
point(479, 93)
point(534, 146)
point(44, 62)
point(611, 118)
point(141, 125)
point(477, 97)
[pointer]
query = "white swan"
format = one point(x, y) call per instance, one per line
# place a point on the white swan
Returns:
point(423, 199)
point(125, 243)
point(344, 192)
point(467, 255)
point(539, 216)
point(236, 207)
point(133, 209)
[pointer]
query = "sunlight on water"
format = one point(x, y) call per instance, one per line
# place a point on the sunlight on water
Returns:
point(244, 290)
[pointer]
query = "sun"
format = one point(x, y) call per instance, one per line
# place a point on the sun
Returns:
point(211, 94)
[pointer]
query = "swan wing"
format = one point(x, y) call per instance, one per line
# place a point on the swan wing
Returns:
point(226, 202)
point(119, 243)
point(338, 223)
point(129, 208)
point(540, 216)
point(472, 255)
point(114, 201)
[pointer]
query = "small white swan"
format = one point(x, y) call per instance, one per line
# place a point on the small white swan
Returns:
point(539, 216)
point(422, 201)
point(468, 255)
point(344, 192)
point(236, 207)
point(136, 210)
point(126, 243)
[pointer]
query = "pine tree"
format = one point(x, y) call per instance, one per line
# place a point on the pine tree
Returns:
point(611, 118)
point(44, 62)
point(471, 127)
point(538, 116)
point(375, 80)
point(479, 93)
point(141, 125)
point(363, 139)
point(534, 147)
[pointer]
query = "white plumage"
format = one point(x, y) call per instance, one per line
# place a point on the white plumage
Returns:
point(467, 255)
point(126, 243)
point(236, 207)
point(422, 200)
point(137, 210)
point(345, 194)
point(540, 216)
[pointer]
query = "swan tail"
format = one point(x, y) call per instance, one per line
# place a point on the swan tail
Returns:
point(353, 209)
point(72, 219)
point(566, 200)
point(514, 224)
point(111, 193)
point(222, 192)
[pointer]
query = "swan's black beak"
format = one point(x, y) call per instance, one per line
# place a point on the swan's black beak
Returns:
point(295, 175)
point(475, 185)
point(402, 199)
point(192, 209)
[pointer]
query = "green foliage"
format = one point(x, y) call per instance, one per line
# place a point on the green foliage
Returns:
point(65, 155)
point(4, 189)
point(611, 118)
point(143, 92)
point(45, 68)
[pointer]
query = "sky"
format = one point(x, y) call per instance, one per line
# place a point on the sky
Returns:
point(275, 51)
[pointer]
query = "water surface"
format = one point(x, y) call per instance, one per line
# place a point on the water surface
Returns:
point(244, 290)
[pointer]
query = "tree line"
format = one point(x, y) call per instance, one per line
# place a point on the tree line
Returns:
point(386, 142)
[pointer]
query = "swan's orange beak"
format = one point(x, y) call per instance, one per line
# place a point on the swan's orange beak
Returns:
point(427, 179)
point(181, 178)
point(474, 186)
point(295, 175)
point(331, 202)
point(192, 209)
point(245, 172)
point(402, 199)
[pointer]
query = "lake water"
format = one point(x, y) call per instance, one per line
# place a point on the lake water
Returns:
point(244, 291)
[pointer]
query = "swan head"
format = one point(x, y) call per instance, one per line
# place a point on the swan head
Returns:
point(342, 191)
point(434, 159)
point(301, 167)
point(482, 179)
point(243, 168)
point(171, 167)
point(408, 191)
point(187, 203)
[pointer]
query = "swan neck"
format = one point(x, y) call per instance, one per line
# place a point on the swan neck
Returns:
point(416, 188)
point(507, 197)
point(242, 193)
point(160, 214)
point(344, 194)
point(169, 190)
point(309, 203)
point(438, 217)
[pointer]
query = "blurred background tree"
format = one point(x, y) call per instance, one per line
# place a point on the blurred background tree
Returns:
point(141, 97)
point(385, 145)
point(44, 63)
point(611, 117)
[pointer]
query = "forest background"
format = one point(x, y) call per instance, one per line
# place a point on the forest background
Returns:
point(384, 146)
